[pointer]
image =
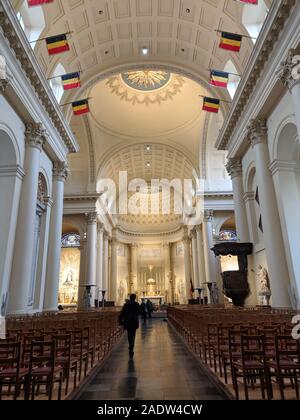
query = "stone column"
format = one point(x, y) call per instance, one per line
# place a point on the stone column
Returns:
point(82, 272)
point(172, 277)
point(200, 252)
point(195, 259)
point(187, 263)
point(235, 170)
point(210, 263)
point(134, 267)
point(289, 77)
point(92, 254)
point(168, 270)
point(60, 173)
point(100, 251)
point(114, 266)
point(277, 265)
point(24, 240)
point(105, 264)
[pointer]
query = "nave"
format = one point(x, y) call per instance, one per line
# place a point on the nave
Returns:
point(161, 369)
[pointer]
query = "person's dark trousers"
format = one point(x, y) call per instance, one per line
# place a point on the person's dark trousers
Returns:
point(144, 316)
point(150, 314)
point(131, 339)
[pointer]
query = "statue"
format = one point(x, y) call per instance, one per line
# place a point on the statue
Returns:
point(263, 285)
point(121, 290)
point(214, 293)
point(87, 296)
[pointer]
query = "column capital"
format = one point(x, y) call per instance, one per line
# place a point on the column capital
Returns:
point(92, 218)
point(234, 168)
point(100, 228)
point(288, 73)
point(35, 135)
point(61, 171)
point(208, 215)
point(4, 82)
point(258, 131)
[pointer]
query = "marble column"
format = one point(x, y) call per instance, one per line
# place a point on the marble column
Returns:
point(187, 263)
point(100, 252)
point(82, 272)
point(195, 259)
point(208, 241)
point(105, 264)
point(172, 277)
point(114, 266)
point(168, 273)
point(92, 254)
point(290, 78)
point(275, 253)
point(21, 275)
point(200, 254)
point(60, 174)
point(235, 170)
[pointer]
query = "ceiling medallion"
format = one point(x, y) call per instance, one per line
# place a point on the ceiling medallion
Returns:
point(145, 87)
point(146, 80)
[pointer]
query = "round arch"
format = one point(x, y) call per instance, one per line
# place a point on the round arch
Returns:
point(286, 145)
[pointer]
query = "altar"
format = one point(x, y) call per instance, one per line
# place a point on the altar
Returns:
point(156, 300)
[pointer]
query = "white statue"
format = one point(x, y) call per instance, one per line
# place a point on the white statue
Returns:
point(214, 293)
point(263, 284)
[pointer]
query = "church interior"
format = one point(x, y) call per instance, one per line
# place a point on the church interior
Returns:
point(150, 148)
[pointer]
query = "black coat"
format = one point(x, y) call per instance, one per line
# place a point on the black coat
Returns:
point(129, 316)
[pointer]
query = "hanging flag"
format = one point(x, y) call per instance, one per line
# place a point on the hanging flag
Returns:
point(249, 1)
point(57, 44)
point(231, 41)
point(38, 2)
point(71, 81)
point(81, 107)
point(219, 78)
point(211, 105)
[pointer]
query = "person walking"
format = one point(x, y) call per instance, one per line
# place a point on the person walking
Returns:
point(144, 310)
point(129, 318)
point(150, 308)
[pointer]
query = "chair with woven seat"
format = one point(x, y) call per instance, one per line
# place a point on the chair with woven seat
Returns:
point(43, 369)
point(11, 372)
point(252, 366)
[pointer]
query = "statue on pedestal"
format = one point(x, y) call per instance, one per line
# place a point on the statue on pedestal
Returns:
point(263, 285)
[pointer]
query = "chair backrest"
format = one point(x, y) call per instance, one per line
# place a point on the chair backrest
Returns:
point(253, 348)
point(42, 355)
point(287, 348)
point(63, 345)
point(10, 355)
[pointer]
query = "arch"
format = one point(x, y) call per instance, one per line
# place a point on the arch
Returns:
point(32, 21)
point(55, 83)
point(7, 135)
point(249, 176)
point(253, 18)
point(286, 144)
point(173, 68)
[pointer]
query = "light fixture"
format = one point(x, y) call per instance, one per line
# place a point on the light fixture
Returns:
point(148, 164)
point(145, 50)
point(148, 148)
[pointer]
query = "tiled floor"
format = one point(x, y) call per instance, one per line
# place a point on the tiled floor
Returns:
point(162, 369)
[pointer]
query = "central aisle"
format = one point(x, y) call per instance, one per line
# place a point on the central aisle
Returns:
point(162, 369)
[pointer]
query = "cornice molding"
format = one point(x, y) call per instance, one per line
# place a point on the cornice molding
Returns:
point(29, 64)
point(148, 234)
point(217, 194)
point(82, 197)
point(279, 12)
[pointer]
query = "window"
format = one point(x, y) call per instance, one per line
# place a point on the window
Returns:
point(254, 17)
point(32, 21)
point(233, 79)
point(56, 84)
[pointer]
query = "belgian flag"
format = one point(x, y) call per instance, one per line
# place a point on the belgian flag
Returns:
point(211, 105)
point(81, 107)
point(231, 42)
point(249, 1)
point(57, 44)
point(219, 78)
point(71, 81)
point(38, 2)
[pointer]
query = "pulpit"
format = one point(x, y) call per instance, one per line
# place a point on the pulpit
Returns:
point(235, 281)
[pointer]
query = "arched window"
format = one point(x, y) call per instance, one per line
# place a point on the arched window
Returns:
point(233, 80)
point(254, 17)
point(55, 83)
point(32, 21)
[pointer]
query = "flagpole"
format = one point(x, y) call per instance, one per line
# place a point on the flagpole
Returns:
point(228, 72)
point(43, 39)
point(70, 103)
point(221, 100)
point(243, 36)
point(61, 75)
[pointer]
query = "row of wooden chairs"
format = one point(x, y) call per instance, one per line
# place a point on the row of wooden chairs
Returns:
point(255, 346)
point(41, 352)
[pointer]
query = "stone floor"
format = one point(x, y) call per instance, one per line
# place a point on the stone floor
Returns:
point(162, 369)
